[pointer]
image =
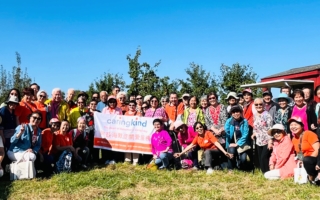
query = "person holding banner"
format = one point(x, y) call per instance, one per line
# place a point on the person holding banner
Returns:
point(132, 112)
point(111, 109)
point(161, 144)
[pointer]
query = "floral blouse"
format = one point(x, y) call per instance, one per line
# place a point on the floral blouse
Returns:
point(282, 118)
point(261, 124)
point(192, 118)
point(216, 117)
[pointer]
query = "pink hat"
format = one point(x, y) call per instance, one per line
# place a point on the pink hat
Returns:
point(177, 124)
point(295, 119)
point(112, 97)
point(54, 120)
point(247, 90)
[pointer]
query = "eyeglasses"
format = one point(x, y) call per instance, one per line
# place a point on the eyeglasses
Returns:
point(276, 131)
point(122, 98)
point(139, 98)
point(258, 104)
point(199, 127)
point(211, 98)
point(42, 96)
point(36, 118)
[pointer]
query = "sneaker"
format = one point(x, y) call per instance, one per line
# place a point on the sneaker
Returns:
point(134, 164)
point(84, 166)
point(112, 162)
point(209, 170)
point(195, 168)
point(162, 168)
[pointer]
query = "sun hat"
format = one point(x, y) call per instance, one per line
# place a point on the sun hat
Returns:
point(240, 95)
point(177, 124)
point(235, 107)
point(283, 96)
point(232, 94)
point(276, 127)
point(295, 119)
point(147, 97)
point(185, 95)
point(13, 99)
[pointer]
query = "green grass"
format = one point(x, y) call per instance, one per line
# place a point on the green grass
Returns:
point(129, 182)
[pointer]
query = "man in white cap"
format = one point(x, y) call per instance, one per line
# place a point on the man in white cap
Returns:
point(232, 100)
point(185, 100)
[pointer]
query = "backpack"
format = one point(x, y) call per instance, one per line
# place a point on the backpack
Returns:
point(64, 162)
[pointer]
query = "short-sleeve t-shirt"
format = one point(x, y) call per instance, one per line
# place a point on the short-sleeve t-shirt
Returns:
point(61, 140)
point(308, 139)
point(206, 142)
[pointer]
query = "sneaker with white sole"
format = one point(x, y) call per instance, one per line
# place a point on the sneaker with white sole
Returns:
point(112, 162)
point(209, 170)
point(195, 168)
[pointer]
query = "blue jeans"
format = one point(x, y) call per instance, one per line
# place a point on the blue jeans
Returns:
point(163, 159)
point(238, 160)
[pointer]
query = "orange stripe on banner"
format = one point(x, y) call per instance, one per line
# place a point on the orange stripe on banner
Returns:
point(126, 146)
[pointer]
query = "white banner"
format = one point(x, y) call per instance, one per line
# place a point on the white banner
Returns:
point(123, 133)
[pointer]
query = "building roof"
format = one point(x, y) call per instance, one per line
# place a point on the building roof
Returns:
point(295, 71)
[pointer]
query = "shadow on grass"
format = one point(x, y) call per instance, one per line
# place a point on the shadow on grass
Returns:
point(5, 186)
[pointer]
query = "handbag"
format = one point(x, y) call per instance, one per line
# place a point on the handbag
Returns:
point(300, 175)
point(22, 169)
point(243, 148)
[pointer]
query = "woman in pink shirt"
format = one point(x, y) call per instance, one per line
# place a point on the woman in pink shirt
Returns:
point(282, 161)
point(161, 144)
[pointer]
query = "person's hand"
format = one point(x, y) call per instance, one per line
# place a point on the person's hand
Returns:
point(155, 157)
point(317, 167)
point(72, 149)
point(23, 127)
point(253, 136)
point(313, 127)
point(177, 155)
point(49, 107)
point(77, 150)
point(270, 145)
point(29, 150)
point(229, 155)
point(271, 167)
point(233, 145)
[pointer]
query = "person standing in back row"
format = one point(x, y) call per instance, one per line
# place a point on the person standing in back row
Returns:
point(173, 109)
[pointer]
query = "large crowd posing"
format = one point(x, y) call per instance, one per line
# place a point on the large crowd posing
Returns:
point(57, 134)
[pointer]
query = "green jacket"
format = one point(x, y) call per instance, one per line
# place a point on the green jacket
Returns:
point(199, 114)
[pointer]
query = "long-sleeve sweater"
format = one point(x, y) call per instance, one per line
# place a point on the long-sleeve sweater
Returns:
point(160, 141)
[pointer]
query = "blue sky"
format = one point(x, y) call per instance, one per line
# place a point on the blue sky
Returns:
point(70, 43)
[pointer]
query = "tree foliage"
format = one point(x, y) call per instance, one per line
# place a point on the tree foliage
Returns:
point(199, 81)
point(106, 82)
point(16, 78)
point(144, 78)
point(232, 77)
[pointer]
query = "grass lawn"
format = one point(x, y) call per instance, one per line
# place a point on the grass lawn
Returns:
point(129, 182)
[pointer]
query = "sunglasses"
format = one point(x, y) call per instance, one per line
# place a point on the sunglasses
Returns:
point(276, 131)
point(211, 98)
point(138, 98)
point(121, 98)
point(258, 104)
point(199, 127)
point(42, 96)
point(36, 118)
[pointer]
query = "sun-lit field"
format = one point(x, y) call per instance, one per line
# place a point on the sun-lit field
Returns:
point(129, 182)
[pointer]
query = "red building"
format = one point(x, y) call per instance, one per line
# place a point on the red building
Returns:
point(308, 76)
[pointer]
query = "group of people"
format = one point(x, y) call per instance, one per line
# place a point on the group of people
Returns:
point(281, 132)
